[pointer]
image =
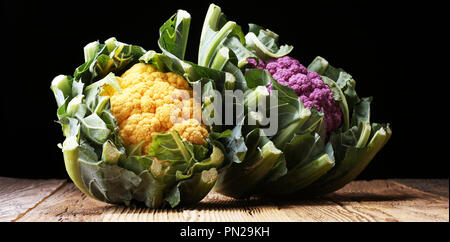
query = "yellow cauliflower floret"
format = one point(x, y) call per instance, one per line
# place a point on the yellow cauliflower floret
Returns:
point(151, 102)
point(189, 130)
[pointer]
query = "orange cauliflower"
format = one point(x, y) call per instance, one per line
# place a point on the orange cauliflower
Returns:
point(151, 102)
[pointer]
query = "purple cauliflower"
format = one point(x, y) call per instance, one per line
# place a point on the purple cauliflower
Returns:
point(307, 85)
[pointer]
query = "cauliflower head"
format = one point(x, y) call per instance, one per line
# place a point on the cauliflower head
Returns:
point(150, 102)
point(308, 85)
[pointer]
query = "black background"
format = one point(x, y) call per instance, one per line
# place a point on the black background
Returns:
point(397, 52)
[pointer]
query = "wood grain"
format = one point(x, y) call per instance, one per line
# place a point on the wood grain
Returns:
point(435, 186)
point(67, 204)
point(377, 200)
point(390, 201)
point(17, 196)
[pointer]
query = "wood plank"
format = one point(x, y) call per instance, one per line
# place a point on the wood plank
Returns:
point(387, 200)
point(66, 204)
point(214, 208)
point(435, 186)
point(378, 200)
point(17, 196)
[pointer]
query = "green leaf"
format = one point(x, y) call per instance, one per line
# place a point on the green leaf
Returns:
point(214, 161)
point(257, 77)
point(151, 190)
point(240, 82)
point(242, 54)
point(278, 170)
point(264, 44)
point(163, 62)
point(123, 56)
point(110, 153)
point(101, 59)
point(71, 162)
point(94, 101)
point(221, 58)
point(235, 145)
point(307, 159)
point(299, 149)
point(109, 183)
point(196, 72)
point(77, 88)
point(293, 116)
point(91, 50)
point(70, 126)
point(353, 149)
point(354, 161)
point(255, 97)
point(192, 190)
point(322, 67)
point(239, 180)
point(74, 104)
point(214, 32)
point(342, 79)
point(347, 85)
point(361, 112)
point(199, 151)
point(220, 135)
point(170, 148)
point(155, 182)
point(95, 129)
point(61, 87)
point(290, 107)
point(86, 72)
point(174, 34)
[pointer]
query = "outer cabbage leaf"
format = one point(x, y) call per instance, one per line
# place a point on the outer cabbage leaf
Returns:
point(307, 159)
point(174, 34)
point(264, 43)
point(101, 59)
point(216, 29)
point(98, 179)
point(241, 179)
point(343, 80)
point(354, 149)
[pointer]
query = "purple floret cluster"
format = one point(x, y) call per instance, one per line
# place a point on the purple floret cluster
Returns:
point(307, 84)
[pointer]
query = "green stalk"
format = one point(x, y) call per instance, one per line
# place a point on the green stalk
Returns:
point(211, 19)
point(301, 176)
point(73, 105)
point(101, 105)
point(110, 44)
point(356, 159)
point(240, 179)
point(253, 97)
point(224, 31)
point(313, 171)
point(220, 59)
point(285, 135)
point(184, 152)
point(70, 152)
point(110, 153)
point(230, 81)
point(365, 135)
point(90, 50)
point(254, 119)
point(192, 190)
point(318, 65)
point(184, 18)
point(63, 83)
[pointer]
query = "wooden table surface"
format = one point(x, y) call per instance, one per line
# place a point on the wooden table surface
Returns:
point(377, 200)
